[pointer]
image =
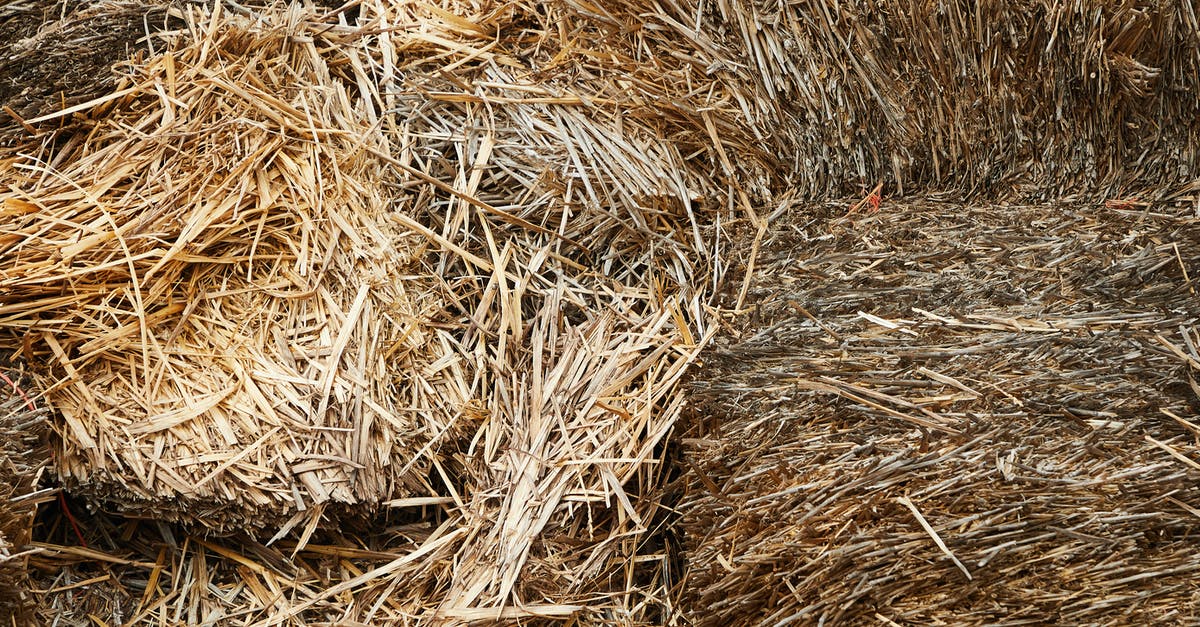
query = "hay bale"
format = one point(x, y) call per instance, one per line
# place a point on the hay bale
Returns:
point(568, 174)
point(555, 186)
point(563, 193)
point(227, 308)
point(950, 415)
point(1022, 97)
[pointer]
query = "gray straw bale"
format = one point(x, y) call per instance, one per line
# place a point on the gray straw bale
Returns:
point(948, 415)
point(1020, 98)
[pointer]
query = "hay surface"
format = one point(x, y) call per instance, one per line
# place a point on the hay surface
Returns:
point(949, 415)
point(569, 180)
point(23, 459)
point(58, 54)
point(999, 99)
point(558, 196)
point(234, 331)
point(556, 187)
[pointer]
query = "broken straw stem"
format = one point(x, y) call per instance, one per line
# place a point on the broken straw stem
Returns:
point(933, 534)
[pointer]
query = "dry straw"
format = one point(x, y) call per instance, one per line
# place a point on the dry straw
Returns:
point(995, 427)
point(232, 327)
point(453, 259)
point(570, 190)
point(303, 256)
point(1014, 98)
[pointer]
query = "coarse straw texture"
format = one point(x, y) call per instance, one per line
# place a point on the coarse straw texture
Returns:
point(60, 53)
point(233, 332)
point(541, 200)
point(1021, 98)
point(571, 191)
point(23, 458)
point(554, 199)
point(948, 415)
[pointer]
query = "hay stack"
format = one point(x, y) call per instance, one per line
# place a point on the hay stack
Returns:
point(209, 268)
point(1023, 97)
point(457, 257)
point(955, 416)
point(562, 186)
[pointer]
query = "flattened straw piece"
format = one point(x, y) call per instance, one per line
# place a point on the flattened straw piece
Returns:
point(84, 106)
point(78, 430)
point(339, 346)
point(904, 500)
point(1174, 453)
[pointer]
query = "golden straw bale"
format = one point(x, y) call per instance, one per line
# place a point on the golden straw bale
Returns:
point(226, 304)
point(533, 204)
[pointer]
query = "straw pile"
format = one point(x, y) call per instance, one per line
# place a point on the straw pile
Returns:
point(445, 265)
point(23, 457)
point(949, 415)
point(478, 240)
point(210, 270)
